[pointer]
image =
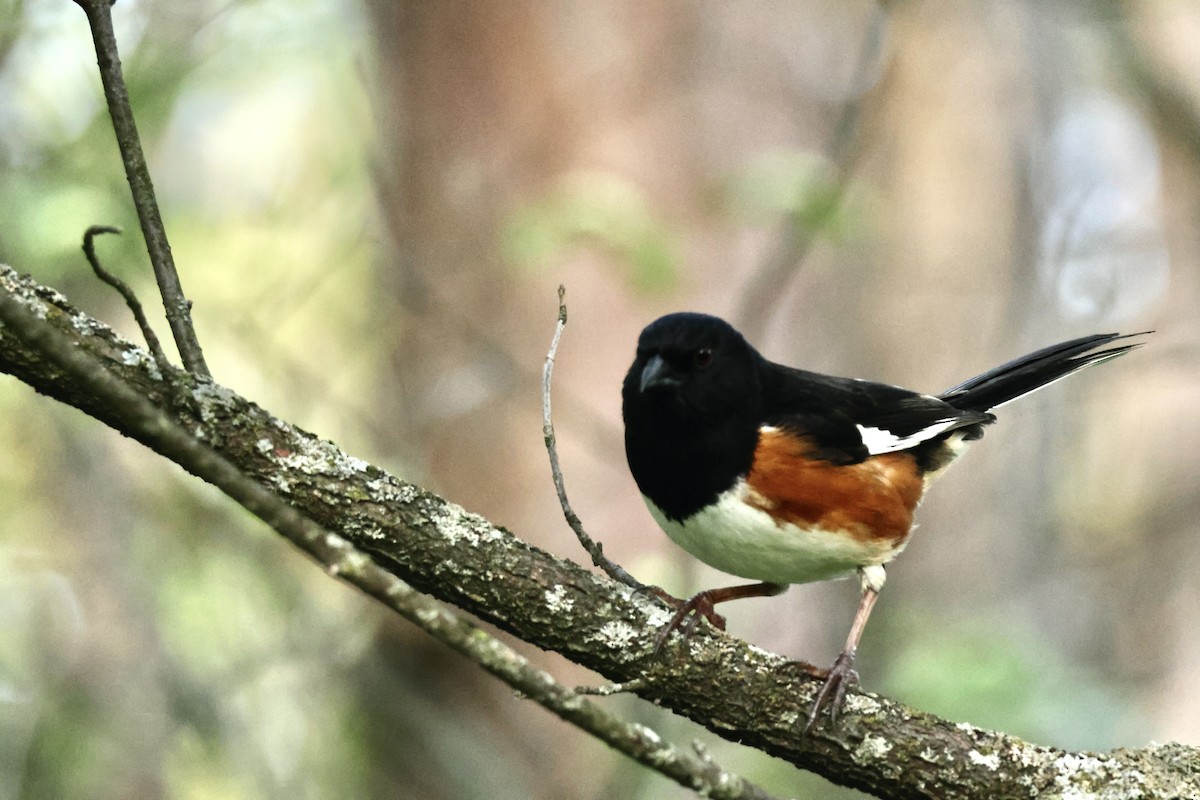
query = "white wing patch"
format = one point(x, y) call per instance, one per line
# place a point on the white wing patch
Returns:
point(878, 440)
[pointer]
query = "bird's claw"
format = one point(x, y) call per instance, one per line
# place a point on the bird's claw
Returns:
point(838, 680)
point(687, 614)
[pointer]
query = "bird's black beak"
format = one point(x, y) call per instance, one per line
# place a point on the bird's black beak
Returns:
point(657, 375)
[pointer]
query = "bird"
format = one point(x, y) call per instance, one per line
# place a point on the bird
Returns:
point(785, 476)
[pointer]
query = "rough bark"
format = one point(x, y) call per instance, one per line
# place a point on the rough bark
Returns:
point(736, 690)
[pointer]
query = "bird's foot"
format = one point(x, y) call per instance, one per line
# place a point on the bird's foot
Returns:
point(838, 680)
point(687, 614)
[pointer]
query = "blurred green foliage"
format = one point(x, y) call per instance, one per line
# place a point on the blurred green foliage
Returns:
point(151, 648)
point(798, 185)
point(598, 209)
point(999, 675)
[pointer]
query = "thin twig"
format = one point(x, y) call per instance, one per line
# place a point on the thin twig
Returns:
point(89, 250)
point(178, 307)
point(594, 549)
point(342, 559)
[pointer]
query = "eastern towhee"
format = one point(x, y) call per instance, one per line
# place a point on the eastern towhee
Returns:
point(785, 476)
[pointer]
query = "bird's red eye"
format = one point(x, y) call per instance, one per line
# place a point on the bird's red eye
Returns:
point(704, 357)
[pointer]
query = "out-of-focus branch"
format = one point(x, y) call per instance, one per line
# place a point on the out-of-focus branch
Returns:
point(737, 691)
point(178, 308)
point(146, 423)
point(799, 230)
point(1176, 109)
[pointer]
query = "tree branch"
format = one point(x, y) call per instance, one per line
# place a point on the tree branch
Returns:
point(341, 559)
point(736, 690)
point(178, 308)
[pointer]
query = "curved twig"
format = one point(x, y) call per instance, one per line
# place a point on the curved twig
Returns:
point(594, 548)
point(135, 306)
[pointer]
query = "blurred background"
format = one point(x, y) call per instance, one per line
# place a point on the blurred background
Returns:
point(372, 204)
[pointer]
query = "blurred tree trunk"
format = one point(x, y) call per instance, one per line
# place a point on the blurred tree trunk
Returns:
point(479, 113)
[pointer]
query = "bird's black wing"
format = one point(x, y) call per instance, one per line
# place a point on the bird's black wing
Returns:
point(848, 420)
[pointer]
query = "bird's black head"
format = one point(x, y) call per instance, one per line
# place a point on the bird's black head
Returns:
point(692, 403)
point(691, 369)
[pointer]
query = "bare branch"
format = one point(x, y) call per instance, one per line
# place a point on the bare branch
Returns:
point(343, 560)
point(593, 548)
point(178, 307)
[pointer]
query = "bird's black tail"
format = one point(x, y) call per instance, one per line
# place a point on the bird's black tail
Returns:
point(1031, 372)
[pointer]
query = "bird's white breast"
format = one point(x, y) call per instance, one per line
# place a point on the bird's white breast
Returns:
point(743, 540)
